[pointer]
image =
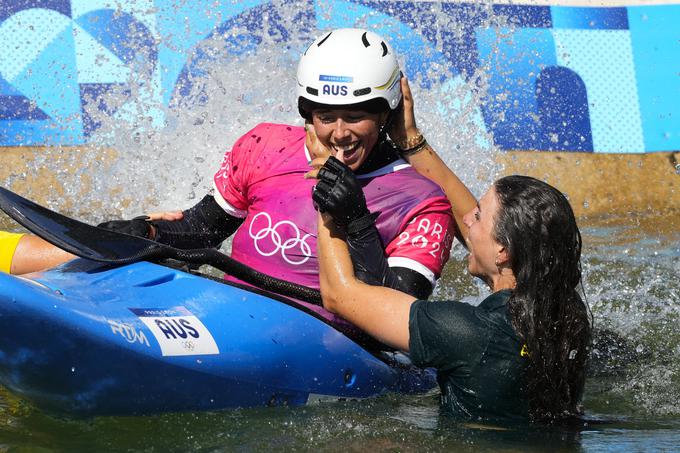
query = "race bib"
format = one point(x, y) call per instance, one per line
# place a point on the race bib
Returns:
point(177, 331)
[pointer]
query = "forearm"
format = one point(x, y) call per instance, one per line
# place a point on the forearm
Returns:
point(336, 273)
point(430, 165)
point(204, 225)
point(381, 312)
point(425, 161)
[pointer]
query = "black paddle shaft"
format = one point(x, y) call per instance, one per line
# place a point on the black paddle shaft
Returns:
point(98, 244)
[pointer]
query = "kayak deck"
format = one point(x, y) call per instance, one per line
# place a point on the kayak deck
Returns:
point(87, 338)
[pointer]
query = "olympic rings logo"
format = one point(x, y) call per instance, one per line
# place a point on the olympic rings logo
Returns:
point(276, 236)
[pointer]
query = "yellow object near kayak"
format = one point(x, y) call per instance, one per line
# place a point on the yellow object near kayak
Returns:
point(8, 244)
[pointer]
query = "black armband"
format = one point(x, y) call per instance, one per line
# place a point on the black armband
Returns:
point(412, 282)
point(204, 225)
point(370, 265)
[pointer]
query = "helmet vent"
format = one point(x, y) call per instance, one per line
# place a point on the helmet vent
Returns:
point(312, 91)
point(362, 91)
point(364, 39)
point(324, 39)
point(384, 46)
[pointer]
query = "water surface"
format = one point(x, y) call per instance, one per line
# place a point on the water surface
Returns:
point(631, 404)
point(631, 267)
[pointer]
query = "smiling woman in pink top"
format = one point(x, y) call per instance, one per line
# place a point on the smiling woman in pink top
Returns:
point(348, 92)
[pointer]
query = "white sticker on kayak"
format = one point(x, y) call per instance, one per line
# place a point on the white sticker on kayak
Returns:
point(178, 331)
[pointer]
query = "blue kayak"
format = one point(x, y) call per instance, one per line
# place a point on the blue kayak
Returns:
point(92, 339)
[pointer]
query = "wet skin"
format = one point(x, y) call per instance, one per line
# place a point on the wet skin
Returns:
point(349, 135)
point(484, 250)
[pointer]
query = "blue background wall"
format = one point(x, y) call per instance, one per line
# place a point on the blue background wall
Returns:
point(560, 78)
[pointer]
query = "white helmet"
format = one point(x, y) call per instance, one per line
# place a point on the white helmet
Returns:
point(348, 66)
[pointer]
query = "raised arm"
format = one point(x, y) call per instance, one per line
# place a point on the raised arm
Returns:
point(424, 159)
point(381, 312)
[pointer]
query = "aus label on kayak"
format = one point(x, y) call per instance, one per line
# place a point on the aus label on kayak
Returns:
point(177, 331)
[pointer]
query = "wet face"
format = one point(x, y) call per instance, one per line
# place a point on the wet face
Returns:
point(484, 250)
point(349, 135)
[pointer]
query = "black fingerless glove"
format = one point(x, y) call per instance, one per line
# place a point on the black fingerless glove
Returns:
point(339, 193)
point(139, 226)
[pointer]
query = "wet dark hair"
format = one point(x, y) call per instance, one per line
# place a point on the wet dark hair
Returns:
point(536, 224)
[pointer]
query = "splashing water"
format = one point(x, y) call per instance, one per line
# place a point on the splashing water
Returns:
point(632, 282)
point(164, 157)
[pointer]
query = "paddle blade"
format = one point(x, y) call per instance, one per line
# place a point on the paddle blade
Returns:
point(78, 238)
point(99, 244)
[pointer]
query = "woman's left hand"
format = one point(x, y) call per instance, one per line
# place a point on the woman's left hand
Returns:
point(338, 192)
point(403, 127)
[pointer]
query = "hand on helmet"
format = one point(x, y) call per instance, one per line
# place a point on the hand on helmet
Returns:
point(403, 129)
point(339, 193)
